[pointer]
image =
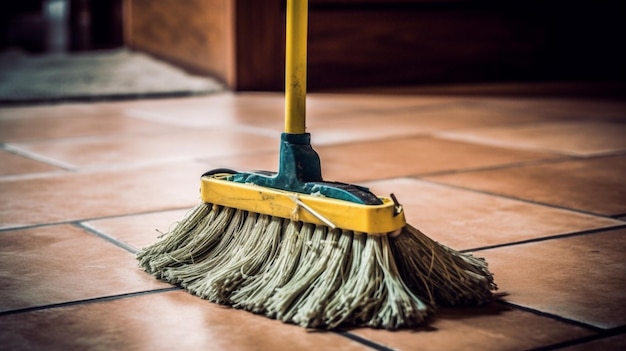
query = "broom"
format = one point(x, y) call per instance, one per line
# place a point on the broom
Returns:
point(291, 246)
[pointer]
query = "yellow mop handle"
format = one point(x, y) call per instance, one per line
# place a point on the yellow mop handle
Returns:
point(295, 67)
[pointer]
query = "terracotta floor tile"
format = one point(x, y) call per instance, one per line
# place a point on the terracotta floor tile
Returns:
point(140, 230)
point(129, 168)
point(564, 108)
point(358, 162)
point(266, 161)
point(74, 196)
point(401, 157)
point(490, 328)
point(465, 219)
point(557, 90)
point(579, 138)
point(70, 121)
point(580, 278)
point(324, 107)
point(404, 121)
point(105, 152)
point(248, 110)
point(223, 109)
point(593, 185)
point(55, 264)
point(579, 108)
point(57, 110)
point(165, 321)
point(14, 164)
point(612, 343)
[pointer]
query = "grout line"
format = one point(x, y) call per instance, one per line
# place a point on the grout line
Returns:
point(533, 202)
point(261, 131)
point(460, 135)
point(412, 108)
point(138, 164)
point(35, 175)
point(434, 134)
point(552, 316)
point(599, 336)
point(30, 226)
point(98, 168)
point(73, 222)
point(168, 120)
point(619, 216)
point(369, 140)
point(40, 158)
point(364, 341)
point(557, 158)
point(550, 160)
point(424, 176)
point(156, 117)
point(546, 238)
point(133, 250)
point(109, 168)
point(188, 208)
point(87, 301)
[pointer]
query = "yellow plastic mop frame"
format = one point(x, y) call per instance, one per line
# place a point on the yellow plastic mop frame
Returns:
point(370, 219)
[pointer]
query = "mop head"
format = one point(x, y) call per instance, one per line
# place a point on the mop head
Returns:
point(312, 275)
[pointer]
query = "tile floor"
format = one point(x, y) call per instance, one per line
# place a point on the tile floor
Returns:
point(535, 185)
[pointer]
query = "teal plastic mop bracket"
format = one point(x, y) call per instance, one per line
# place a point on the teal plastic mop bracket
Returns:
point(300, 171)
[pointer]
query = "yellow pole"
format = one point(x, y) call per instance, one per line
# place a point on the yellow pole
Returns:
point(295, 67)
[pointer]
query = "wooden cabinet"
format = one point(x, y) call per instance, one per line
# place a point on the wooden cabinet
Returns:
point(385, 42)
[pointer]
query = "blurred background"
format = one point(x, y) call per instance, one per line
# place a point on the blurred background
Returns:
point(352, 43)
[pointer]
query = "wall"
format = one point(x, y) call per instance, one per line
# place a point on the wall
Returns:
point(196, 34)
